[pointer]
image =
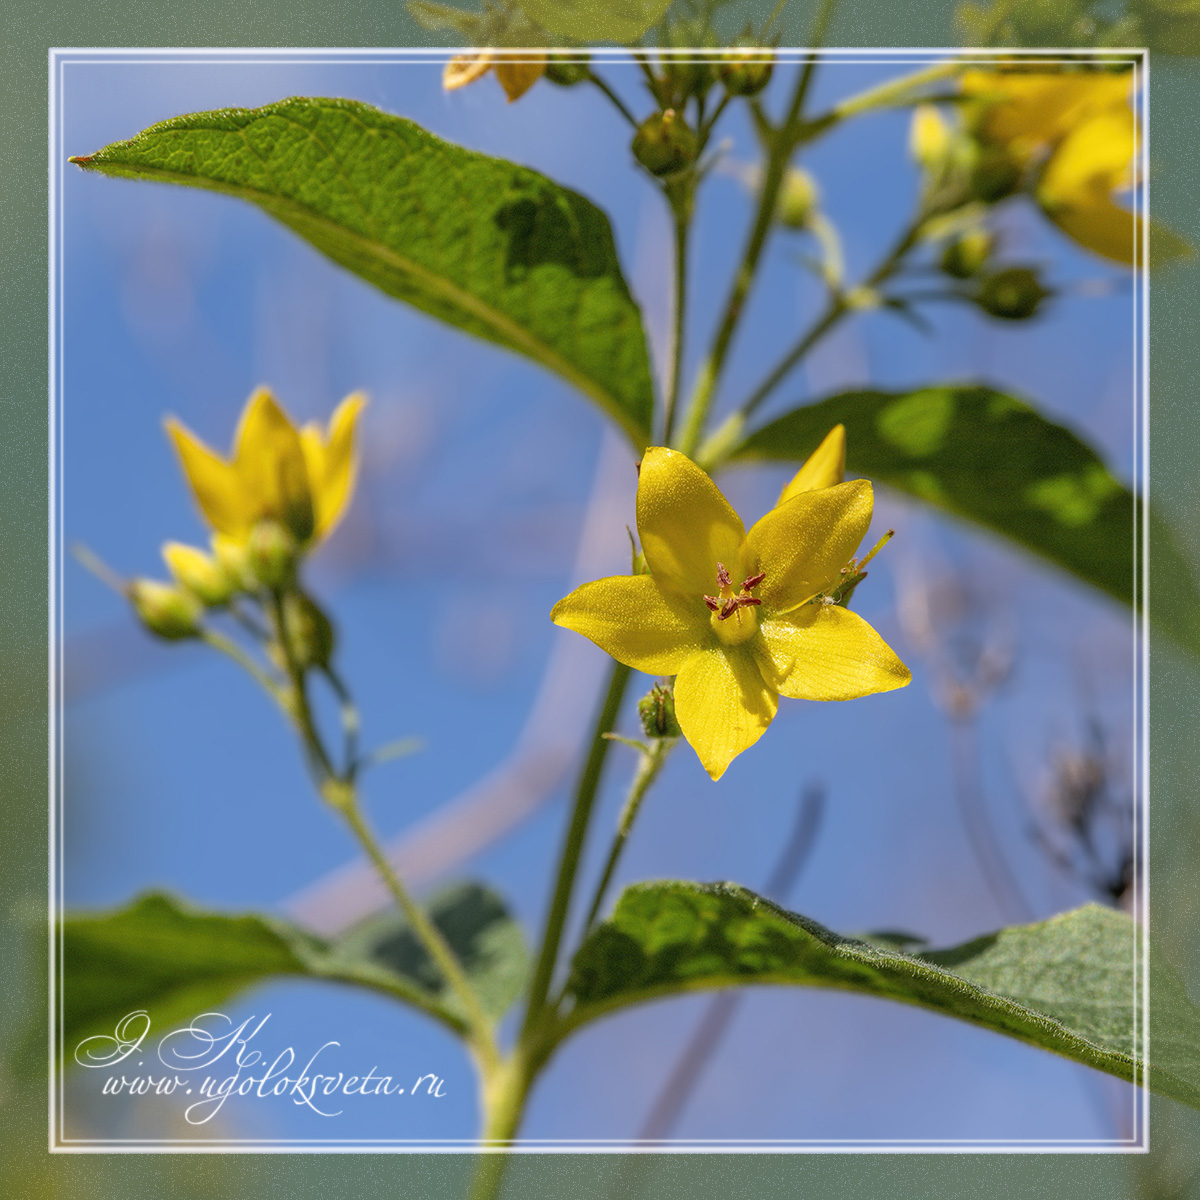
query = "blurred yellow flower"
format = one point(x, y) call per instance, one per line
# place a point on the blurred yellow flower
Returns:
point(516, 72)
point(1079, 128)
point(302, 478)
point(728, 612)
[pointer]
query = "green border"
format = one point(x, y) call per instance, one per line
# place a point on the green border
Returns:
point(26, 1169)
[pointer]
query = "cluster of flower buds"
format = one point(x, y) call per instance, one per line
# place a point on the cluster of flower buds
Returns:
point(281, 492)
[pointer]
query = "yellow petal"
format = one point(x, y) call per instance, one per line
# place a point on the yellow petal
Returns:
point(215, 484)
point(803, 544)
point(1103, 227)
point(518, 73)
point(685, 524)
point(1035, 108)
point(823, 652)
point(331, 463)
point(1093, 159)
point(465, 68)
point(723, 705)
point(823, 468)
point(637, 622)
point(929, 136)
point(269, 460)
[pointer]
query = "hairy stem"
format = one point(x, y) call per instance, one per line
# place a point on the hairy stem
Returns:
point(482, 1040)
point(681, 213)
point(568, 864)
point(648, 769)
point(783, 142)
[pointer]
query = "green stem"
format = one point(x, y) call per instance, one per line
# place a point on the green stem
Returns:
point(681, 212)
point(893, 92)
point(783, 142)
point(568, 865)
point(616, 100)
point(345, 800)
point(230, 648)
point(651, 764)
point(722, 442)
point(504, 1096)
point(339, 793)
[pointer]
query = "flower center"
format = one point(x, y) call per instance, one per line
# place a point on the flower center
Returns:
point(733, 617)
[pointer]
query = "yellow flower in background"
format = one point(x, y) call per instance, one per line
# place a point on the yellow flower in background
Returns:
point(515, 72)
point(301, 478)
point(728, 612)
point(1079, 128)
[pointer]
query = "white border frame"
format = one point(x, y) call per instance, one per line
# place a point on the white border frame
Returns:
point(59, 58)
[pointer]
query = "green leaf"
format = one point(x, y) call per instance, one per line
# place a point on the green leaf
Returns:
point(175, 961)
point(1066, 984)
point(622, 21)
point(486, 245)
point(988, 457)
point(473, 920)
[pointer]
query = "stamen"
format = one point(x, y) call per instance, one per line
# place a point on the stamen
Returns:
point(879, 545)
point(754, 581)
point(734, 603)
point(723, 576)
point(713, 603)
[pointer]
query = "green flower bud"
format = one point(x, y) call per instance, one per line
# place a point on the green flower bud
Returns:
point(271, 554)
point(566, 70)
point(967, 254)
point(309, 631)
point(201, 574)
point(746, 70)
point(168, 611)
point(1013, 294)
point(798, 199)
point(657, 710)
point(231, 555)
point(664, 144)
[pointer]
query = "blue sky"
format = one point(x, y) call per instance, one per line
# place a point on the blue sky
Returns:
point(477, 472)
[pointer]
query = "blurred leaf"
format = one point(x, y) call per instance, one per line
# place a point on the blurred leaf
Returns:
point(476, 924)
point(622, 21)
point(486, 245)
point(176, 962)
point(446, 16)
point(1170, 26)
point(988, 457)
point(1066, 984)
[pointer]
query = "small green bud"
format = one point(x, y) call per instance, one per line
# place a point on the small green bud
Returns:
point(798, 199)
point(201, 574)
point(271, 554)
point(167, 611)
point(664, 144)
point(566, 70)
point(657, 710)
point(967, 254)
point(308, 630)
point(1013, 294)
point(746, 70)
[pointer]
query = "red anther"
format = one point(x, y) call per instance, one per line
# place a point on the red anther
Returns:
point(745, 600)
point(754, 581)
point(713, 603)
point(729, 609)
point(723, 576)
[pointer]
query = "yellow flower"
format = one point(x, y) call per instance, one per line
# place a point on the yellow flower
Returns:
point(728, 612)
point(516, 72)
point(302, 478)
point(1079, 127)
